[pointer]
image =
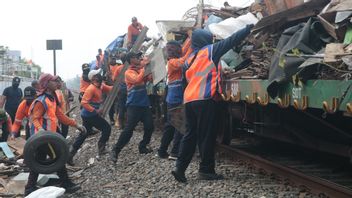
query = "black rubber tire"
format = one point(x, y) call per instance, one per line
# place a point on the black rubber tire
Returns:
point(38, 141)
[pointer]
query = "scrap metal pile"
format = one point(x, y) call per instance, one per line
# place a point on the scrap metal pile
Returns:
point(304, 39)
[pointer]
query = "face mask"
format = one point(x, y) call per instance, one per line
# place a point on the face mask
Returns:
point(15, 85)
point(28, 102)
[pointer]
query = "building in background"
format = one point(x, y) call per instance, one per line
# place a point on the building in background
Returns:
point(12, 64)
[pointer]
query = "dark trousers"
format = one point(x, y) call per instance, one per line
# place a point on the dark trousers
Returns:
point(90, 122)
point(200, 122)
point(113, 109)
point(134, 115)
point(170, 133)
point(121, 103)
point(28, 132)
point(33, 177)
point(64, 130)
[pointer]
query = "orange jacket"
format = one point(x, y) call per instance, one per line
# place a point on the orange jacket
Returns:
point(174, 65)
point(22, 112)
point(92, 98)
point(115, 71)
point(134, 77)
point(203, 77)
point(83, 85)
point(44, 113)
point(133, 31)
point(136, 89)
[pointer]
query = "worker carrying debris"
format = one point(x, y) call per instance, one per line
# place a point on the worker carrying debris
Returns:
point(174, 97)
point(91, 114)
point(133, 31)
point(44, 114)
point(84, 81)
point(137, 105)
point(202, 72)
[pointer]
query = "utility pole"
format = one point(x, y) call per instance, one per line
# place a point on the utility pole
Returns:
point(54, 45)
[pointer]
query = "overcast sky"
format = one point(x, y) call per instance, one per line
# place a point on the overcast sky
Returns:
point(83, 25)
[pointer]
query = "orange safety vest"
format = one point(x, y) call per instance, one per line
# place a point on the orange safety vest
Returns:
point(49, 120)
point(203, 76)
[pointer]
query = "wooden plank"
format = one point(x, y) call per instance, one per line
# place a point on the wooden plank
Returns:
point(121, 77)
point(331, 50)
point(17, 145)
point(305, 10)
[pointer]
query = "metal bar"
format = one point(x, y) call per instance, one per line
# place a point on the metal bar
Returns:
point(315, 184)
point(54, 52)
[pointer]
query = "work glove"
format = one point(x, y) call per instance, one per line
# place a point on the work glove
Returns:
point(12, 136)
point(99, 111)
point(82, 129)
point(250, 26)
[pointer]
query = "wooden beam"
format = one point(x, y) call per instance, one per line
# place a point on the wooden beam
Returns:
point(121, 77)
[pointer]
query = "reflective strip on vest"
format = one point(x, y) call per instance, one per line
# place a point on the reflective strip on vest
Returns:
point(203, 77)
point(49, 120)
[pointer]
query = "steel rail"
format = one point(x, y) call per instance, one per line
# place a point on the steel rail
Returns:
point(315, 184)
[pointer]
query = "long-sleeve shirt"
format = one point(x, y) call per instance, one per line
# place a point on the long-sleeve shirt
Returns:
point(221, 47)
point(39, 111)
point(116, 71)
point(94, 94)
point(174, 65)
point(22, 112)
point(136, 89)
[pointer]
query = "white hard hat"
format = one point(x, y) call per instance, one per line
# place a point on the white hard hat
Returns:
point(93, 73)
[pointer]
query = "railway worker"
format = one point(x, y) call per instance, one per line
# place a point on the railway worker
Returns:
point(114, 107)
point(202, 72)
point(44, 114)
point(35, 85)
point(22, 112)
point(91, 114)
point(122, 91)
point(133, 31)
point(174, 95)
point(63, 104)
point(84, 81)
point(99, 59)
point(12, 97)
point(6, 125)
point(138, 106)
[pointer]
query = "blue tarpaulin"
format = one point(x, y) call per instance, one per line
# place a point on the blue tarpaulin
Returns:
point(93, 65)
point(117, 43)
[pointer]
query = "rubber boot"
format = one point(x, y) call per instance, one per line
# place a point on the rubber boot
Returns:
point(101, 149)
point(114, 154)
point(72, 153)
point(69, 186)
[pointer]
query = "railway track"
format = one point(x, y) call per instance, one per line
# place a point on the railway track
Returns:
point(317, 177)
